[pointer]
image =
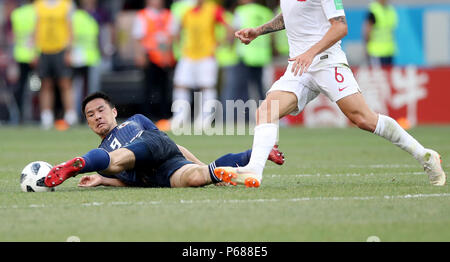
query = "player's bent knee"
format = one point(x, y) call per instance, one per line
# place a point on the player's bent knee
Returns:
point(191, 175)
point(276, 105)
point(195, 176)
point(195, 180)
point(120, 160)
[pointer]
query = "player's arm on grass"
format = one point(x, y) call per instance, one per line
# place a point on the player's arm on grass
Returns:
point(337, 31)
point(247, 35)
point(98, 180)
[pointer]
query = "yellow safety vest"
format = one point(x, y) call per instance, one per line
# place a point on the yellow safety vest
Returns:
point(23, 24)
point(178, 10)
point(259, 51)
point(85, 39)
point(199, 25)
point(381, 42)
point(52, 31)
point(225, 52)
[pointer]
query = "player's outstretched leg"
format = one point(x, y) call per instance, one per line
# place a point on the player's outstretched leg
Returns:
point(228, 164)
point(233, 176)
point(355, 108)
point(276, 105)
point(276, 156)
point(430, 160)
point(241, 159)
point(61, 172)
point(432, 166)
point(95, 160)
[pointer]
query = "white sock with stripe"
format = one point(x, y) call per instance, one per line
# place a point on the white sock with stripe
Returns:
point(389, 129)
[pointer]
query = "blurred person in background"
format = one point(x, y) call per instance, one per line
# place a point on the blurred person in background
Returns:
point(178, 8)
point(197, 67)
point(85, 52)
point(253, 57)
point(153, 53)
point(53, 40)
point(23, 20)
point(106, 37)
point(8, 69)
point(379, 30)
point(226, 56)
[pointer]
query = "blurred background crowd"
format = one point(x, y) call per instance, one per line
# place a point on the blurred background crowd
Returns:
point(148, 53)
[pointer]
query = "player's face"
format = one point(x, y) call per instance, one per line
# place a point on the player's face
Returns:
point(100, 116)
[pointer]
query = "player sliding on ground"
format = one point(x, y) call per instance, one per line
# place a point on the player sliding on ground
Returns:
point(317, 65)
point(136, 153)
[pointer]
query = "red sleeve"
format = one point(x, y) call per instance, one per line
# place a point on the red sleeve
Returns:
point(220, 12)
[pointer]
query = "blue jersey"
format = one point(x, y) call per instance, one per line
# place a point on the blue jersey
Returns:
point(122, 135)
point(126, 132)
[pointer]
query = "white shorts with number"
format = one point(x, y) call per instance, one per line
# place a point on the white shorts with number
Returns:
point(196, 73)
point(335, 82)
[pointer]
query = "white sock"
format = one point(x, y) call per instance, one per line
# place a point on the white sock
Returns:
point(181, 94)
point(47, 119)
point(184, 95)
point(392, 131)
point(207, 95)
point(263, 141)
point(71, 117)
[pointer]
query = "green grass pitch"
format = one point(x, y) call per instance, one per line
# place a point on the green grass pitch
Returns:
point(336, 185)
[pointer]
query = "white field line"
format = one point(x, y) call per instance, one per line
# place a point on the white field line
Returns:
point(389, 166)
point(374, 166)
point(346, 174)
point(236, 201)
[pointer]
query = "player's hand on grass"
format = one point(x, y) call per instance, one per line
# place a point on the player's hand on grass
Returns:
point(247, 35)
point(90, 181)
point(301, 63)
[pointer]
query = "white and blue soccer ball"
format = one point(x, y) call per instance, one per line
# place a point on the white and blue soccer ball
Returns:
point(33, 176)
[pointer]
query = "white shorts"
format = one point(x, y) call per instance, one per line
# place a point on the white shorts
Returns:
point(196, 73)
point(335, 82)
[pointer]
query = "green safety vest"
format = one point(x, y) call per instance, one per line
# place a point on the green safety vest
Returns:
point(23, 21)
point(85, 39)
point(225, 53)
point(281, 41)
point(381, 42)
point(259, 51)
point(178, 9)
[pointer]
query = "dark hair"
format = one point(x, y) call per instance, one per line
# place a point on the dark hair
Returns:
point(96, 95)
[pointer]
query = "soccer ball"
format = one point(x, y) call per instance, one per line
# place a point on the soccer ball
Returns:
point(33, 176)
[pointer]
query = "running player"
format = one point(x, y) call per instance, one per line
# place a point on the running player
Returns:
point(136, 153)
point(317, 64)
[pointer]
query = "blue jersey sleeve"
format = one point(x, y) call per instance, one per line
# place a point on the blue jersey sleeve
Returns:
point(145, 122)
